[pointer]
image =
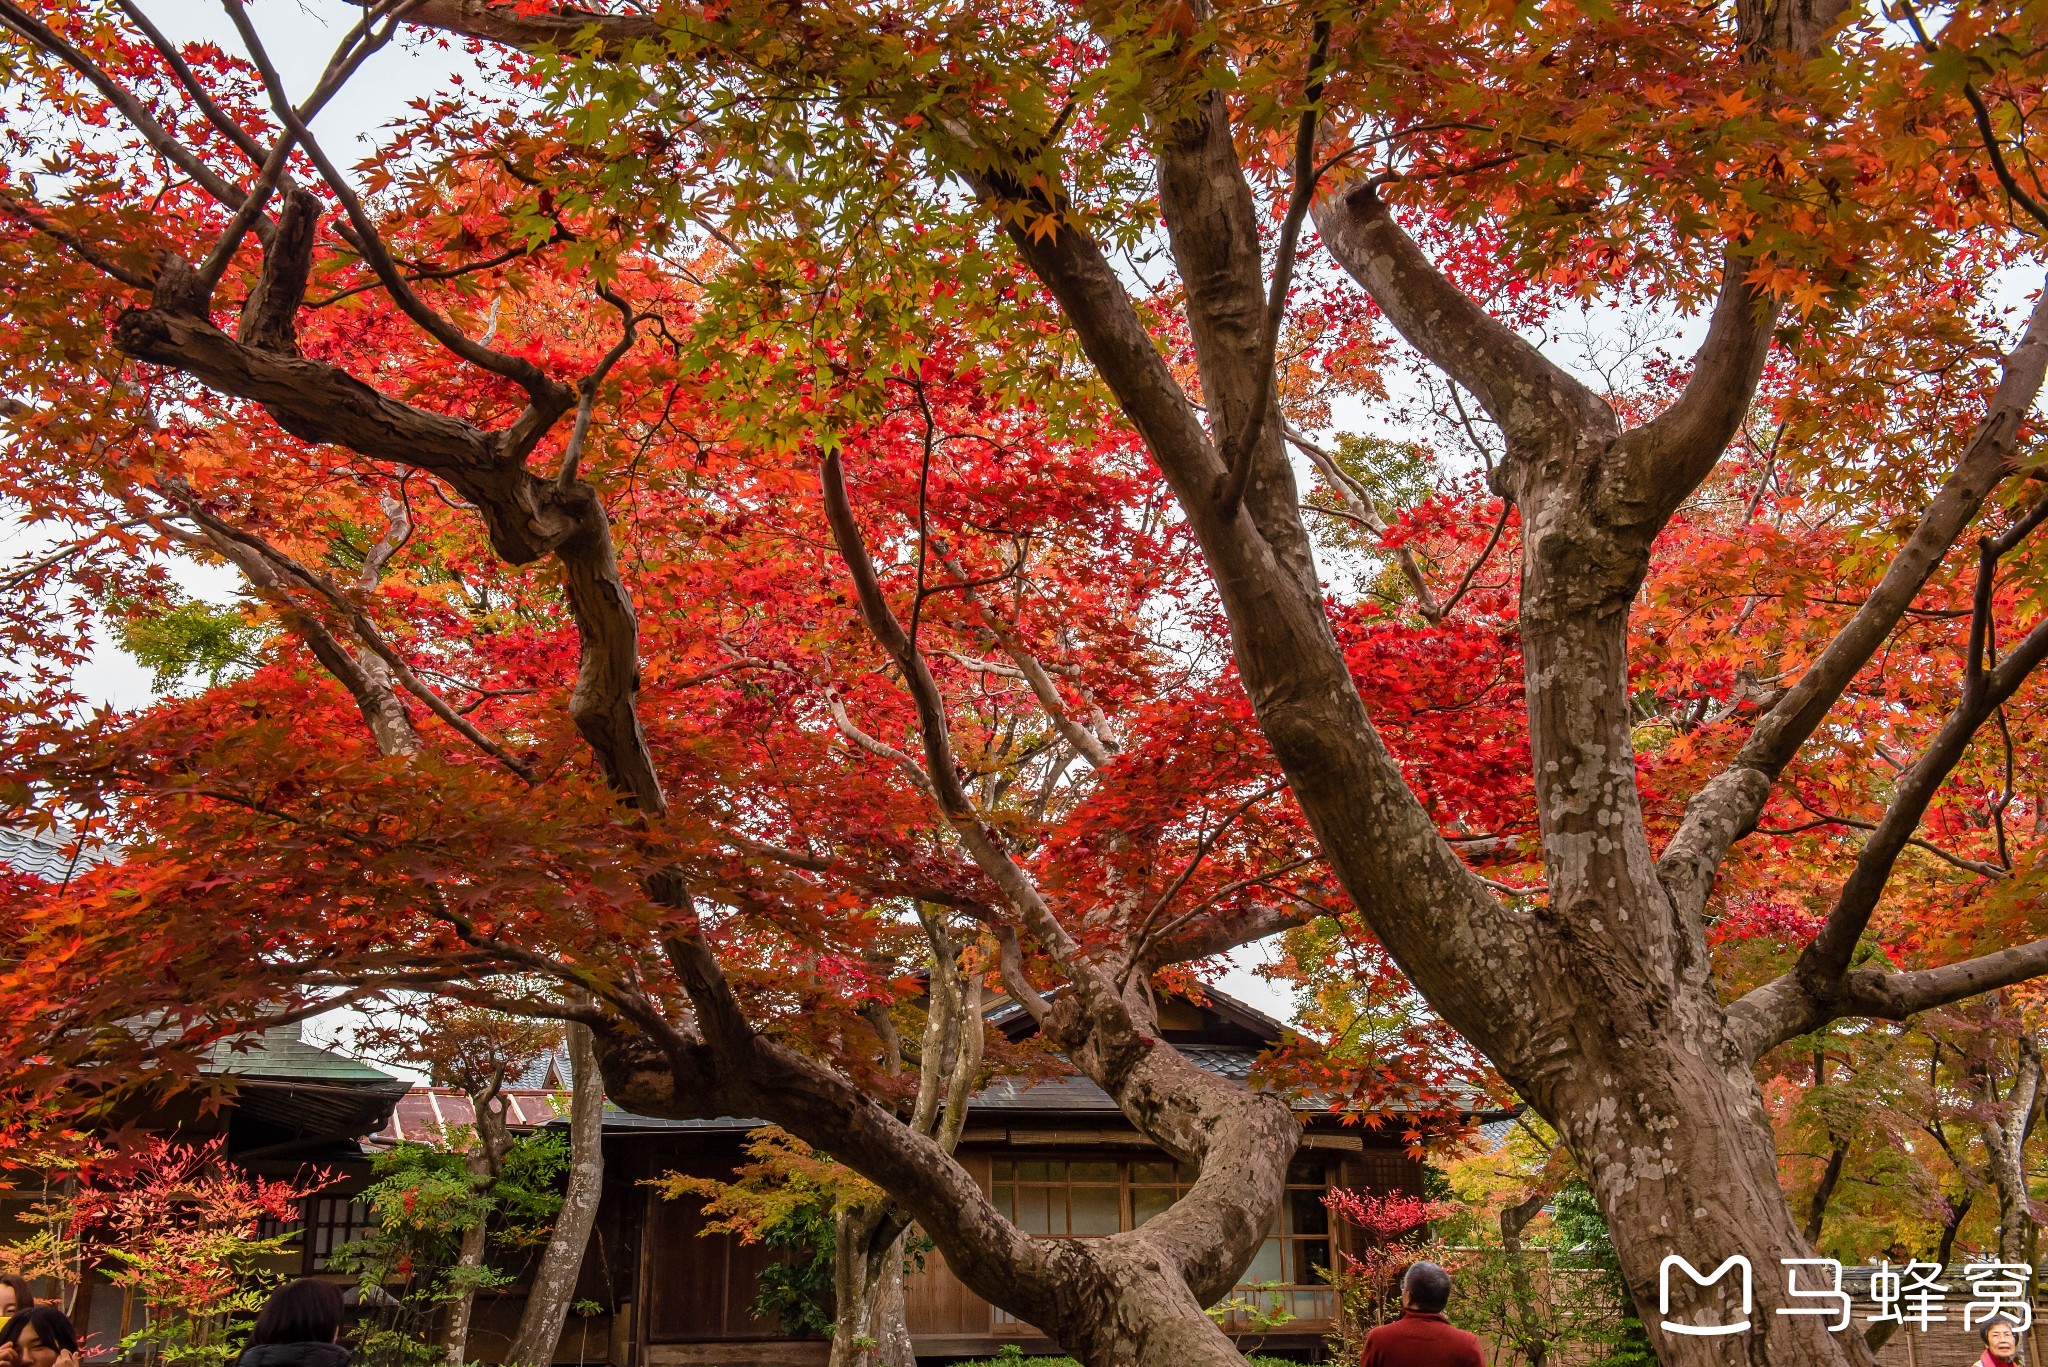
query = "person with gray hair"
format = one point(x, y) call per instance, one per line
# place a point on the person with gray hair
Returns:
point(2001, 1335)
point(1422, 1337)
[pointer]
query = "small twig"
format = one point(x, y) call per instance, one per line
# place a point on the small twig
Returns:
point(1500, 525)
point(120, 97)
point(360, 43)
point(17, 578)
point(1166, 931)
point(1763, 485)
point(1963, 862)
point(365, 631)
point(1207, 842)
point(78, 246)
point(572, 455)
point(1982, 114)
point(924, 480)
point(547, 393)
point(222, 124)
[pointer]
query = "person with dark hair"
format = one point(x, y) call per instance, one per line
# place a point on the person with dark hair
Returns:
point(299, 1327)
point(2001, 1337)
point(39, 1336)
point(1422, 1337)
point(15, 1296)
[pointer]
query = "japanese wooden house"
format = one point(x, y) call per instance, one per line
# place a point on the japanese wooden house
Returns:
point(1056, 1155)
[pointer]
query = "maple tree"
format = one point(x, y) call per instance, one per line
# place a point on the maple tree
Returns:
point(178, 1230)
point(881, 543)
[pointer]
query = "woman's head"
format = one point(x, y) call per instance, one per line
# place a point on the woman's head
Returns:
point(37, 1335)
point(2001, 1337)
point(304, 1311)
point(15, 1296)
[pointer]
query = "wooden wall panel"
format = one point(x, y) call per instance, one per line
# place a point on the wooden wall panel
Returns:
point(937, 1303)
point(687, 1294)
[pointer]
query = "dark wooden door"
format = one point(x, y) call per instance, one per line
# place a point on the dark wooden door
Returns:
point(700, 1287)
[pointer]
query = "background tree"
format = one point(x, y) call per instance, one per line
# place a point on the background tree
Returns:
point(484, 1053)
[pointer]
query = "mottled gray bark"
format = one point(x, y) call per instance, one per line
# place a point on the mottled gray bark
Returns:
point(868, 1324)
point(2006, 1122)
point(461, 1307)
point(485, 1160)
point(561, 1262)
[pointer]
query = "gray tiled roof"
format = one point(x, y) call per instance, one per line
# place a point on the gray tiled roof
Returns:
point(280, 1053)
point(1494, 1133)
point(1077, 1093)
point(50, 856)
point(534, 1077)
point(628, 1121)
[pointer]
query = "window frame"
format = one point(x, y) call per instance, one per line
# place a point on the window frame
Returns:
point(315, 1226)
point(1310, 1303)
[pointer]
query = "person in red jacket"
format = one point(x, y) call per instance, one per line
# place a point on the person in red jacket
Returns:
point(1422, 1337)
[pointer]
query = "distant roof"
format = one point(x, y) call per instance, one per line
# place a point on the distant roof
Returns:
point(1220, 1013)
point(302, 1090)
point(281, 1053)
point(1077, 1093)
point(1248, 1015)
point(1494, 1133)
point(426, 1114)
point(52, 856)
point(547, 1071)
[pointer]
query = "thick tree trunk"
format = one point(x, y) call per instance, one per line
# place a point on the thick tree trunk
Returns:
point(486, 1160)
point(554, 1281)
point(1682, 1160)
point(2006, 1123)
point(889, 1322)
point(1127, 1306)
point(1529, 1327)
point(1824, 1191)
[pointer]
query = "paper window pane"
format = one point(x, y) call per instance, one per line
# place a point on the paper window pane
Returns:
point(1092, 1172)
point(1147, 1202)
point(1039, 1170)
point(1152, 1174)
point(1267, 1266)
point(1034, 1211)
point(1094, 1210)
